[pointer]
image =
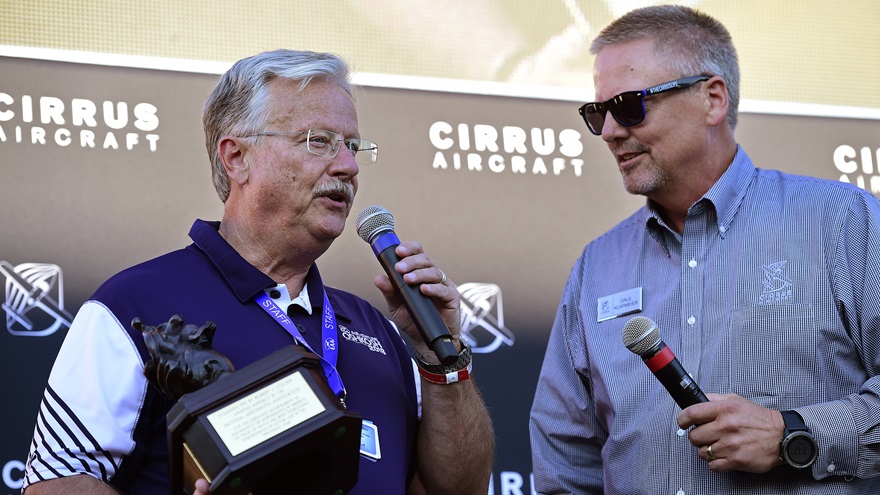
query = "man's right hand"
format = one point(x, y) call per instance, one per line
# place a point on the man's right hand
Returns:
point(202, 488)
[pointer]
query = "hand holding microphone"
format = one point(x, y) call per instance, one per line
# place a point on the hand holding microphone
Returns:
point(375, 225)
point(641, 336)
point(743, 449)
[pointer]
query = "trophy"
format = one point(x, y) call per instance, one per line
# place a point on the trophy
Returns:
point(273, 426)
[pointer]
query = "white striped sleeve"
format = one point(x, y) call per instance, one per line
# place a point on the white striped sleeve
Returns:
point(92, 401)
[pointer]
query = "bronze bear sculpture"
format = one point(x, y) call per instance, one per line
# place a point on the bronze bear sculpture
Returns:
point(182, 357)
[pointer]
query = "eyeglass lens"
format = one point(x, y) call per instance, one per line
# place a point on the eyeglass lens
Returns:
point(327, 143)
point(627, 108)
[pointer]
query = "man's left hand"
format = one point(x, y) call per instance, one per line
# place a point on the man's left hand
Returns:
point(734, 434)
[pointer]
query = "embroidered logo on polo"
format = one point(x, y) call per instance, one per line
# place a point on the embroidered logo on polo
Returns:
point(777, 286)
point(34, 303)
point(372, 343)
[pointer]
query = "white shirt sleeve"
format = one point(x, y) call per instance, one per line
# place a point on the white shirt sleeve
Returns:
point(92, 401)
point(416, 375)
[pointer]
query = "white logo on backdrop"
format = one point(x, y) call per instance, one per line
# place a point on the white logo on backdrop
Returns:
point(861, 167)
point(508, 149)
point(34, 302)
point(78, 122)
point(13, 474)
point(482, 317)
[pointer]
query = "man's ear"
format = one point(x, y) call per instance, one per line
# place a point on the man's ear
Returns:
point(232, 151)
point(717, 101)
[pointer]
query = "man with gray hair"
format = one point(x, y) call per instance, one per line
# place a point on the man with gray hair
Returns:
point(765, 284)
point(282, 137)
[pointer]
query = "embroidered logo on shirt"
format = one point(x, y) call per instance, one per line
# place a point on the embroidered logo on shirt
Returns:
point(372, 343)
point(777, 286)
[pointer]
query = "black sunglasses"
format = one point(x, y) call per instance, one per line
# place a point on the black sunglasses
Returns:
point(628, 108)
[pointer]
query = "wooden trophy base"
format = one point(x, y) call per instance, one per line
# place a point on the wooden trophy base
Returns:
point(271, 427)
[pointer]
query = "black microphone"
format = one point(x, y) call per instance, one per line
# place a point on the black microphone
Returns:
point(376, 226)
point(641, 336)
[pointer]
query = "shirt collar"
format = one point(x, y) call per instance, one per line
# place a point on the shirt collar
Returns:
point(282, 298)
point(245, 280)
point(725, 195)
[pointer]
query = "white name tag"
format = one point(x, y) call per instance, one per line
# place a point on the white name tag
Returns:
point(370, 441)
point(620, 304)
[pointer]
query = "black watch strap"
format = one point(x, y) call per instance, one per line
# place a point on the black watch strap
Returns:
point(798, 447)
point(793, 422)
point(463, 361)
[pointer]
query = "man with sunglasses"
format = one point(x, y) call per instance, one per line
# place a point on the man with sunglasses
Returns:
point(766, 286)
point(282, 137)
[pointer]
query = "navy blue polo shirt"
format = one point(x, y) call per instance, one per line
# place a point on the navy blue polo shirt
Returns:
point(209, 281)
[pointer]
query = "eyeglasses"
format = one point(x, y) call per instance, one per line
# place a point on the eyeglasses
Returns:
point(326, 143)
point(628, 108)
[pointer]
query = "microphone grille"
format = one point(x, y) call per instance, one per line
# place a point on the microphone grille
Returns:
point(372, 220)
point(641, 335)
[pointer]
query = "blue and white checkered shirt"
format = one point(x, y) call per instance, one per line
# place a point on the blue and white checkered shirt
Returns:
point(772, 292)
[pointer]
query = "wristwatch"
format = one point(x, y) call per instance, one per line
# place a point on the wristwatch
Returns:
point(798, 448)
point(458, 371)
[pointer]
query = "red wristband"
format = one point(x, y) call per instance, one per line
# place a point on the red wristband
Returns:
point(446, 379)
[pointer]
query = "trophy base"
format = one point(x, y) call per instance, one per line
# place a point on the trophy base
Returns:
point(270, 427)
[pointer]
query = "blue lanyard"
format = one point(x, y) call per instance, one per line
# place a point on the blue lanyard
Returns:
point(329, 332)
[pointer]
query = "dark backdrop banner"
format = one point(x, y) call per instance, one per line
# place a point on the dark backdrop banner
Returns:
point(103, 167)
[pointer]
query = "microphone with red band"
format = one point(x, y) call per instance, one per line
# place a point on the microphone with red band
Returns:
point(641, 336)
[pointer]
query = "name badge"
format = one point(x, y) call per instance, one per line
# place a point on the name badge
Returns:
point(620, 304)
point(370, 441)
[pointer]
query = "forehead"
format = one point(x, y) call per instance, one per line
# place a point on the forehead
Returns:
point(627, 66)
point(321, 104)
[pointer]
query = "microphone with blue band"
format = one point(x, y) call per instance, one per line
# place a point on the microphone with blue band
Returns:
point(376, 226)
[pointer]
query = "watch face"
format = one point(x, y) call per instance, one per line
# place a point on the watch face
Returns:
point(801, 450)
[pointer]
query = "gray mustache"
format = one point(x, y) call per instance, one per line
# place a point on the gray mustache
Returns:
point(335, 186)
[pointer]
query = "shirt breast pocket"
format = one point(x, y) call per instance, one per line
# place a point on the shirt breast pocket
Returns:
point(773, 354)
